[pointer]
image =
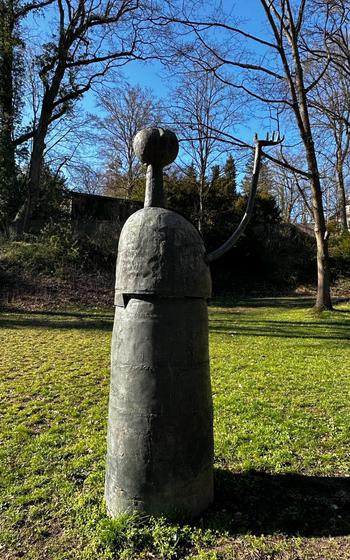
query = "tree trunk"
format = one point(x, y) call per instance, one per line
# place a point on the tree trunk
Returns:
point(201, 203)
point(22, 220)
point(21, 223)
point(341, 196)
point(323, 298)
point(130, 181)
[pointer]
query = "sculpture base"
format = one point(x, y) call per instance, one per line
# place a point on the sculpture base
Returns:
point(160, 435)
point(180, 501)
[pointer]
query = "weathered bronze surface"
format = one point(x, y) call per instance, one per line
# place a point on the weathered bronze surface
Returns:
point(160, 435)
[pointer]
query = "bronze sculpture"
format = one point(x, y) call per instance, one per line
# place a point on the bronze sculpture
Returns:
point(160, 434)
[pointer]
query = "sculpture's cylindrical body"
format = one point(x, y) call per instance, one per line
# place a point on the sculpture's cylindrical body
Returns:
point(160, 441)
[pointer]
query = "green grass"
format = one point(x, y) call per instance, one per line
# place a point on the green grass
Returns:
point(281, 386)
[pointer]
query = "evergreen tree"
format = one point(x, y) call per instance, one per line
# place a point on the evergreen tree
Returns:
point(230, 177)
point(220, 214)
point(215, 176)
point(265, 207)
point(225, 179)
point(52, 196)
point(7, 152)
point(266, 179)
point(181, 190)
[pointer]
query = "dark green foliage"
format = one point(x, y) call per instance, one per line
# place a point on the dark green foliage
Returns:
point(224, 179)
point(52, 201)
point(221, 209)
point(52, 204)
point(219, 201)
point(55, 251)
point(339, 248)
point(229, 180)
point(267, 254)
point(222, 215)
point(181, 191)
point(270, 256)
point(12, 191)
point(52, 248)
point(266, 210)
point(266, 179)
point(11, 76)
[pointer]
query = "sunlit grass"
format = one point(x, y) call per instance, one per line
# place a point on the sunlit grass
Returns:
point(281, 386)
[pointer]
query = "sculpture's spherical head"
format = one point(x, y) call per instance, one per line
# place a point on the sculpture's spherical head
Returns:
point(156, 146)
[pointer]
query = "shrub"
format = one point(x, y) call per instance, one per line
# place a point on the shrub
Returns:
point(53, 252)
point(339, 248)
point(266, 256)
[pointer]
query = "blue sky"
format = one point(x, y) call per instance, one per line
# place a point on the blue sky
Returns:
point(149, 74)
point(250, 15)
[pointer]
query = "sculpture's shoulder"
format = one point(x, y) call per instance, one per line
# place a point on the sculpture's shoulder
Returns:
point(161, 252)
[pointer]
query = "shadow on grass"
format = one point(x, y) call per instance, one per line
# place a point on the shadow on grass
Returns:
point(69, 321)
point(64, 320)
point(76, 314)
point(282, 329)
point(260, 503)
point(286, 302)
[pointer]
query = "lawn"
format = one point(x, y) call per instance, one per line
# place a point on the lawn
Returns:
point(281, 386)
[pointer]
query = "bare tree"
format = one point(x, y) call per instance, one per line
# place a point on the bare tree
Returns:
point(201, 113)
point(68, 148)
point(292, 194)
point(127, 110)
point(86, 178)
point(88, 39)
point(333, 34)
point(330, 40)
point(331, 103)
point(280, 79)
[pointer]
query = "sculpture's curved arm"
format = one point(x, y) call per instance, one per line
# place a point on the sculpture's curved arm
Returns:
point(251, 199)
